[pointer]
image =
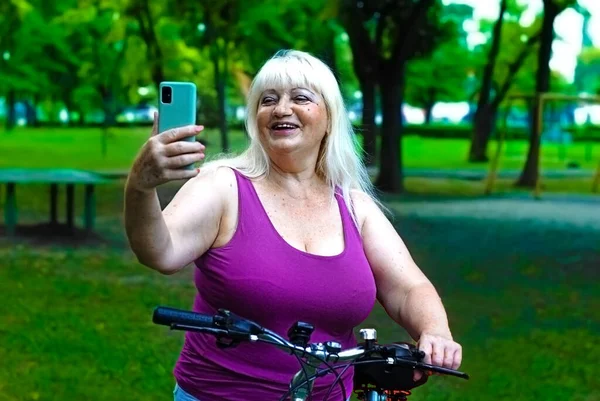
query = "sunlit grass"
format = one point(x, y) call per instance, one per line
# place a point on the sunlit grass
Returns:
point(90, 148)
point(75, 320)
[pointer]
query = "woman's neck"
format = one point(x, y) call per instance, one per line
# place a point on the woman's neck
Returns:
point(297, 182)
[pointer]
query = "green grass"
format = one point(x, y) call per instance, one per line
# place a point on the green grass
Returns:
point(75, 318)
point(76, 325)
point(83, 148)
point(451, 154)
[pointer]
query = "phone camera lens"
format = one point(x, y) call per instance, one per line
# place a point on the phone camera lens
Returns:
point(167, 94)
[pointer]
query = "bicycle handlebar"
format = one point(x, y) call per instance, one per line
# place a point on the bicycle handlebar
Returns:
point(231, 329)
point(168, 316)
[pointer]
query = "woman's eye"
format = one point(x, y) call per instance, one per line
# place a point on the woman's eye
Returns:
point(268, 100)
point(302, 98)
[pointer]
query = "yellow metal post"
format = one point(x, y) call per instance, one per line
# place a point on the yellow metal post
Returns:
point(492, 175)
point(596, 183)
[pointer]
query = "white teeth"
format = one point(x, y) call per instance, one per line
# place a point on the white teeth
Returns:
point(285, 126)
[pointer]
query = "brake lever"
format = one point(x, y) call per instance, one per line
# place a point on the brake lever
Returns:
point(440, 369)
point(237, 327)
point(417, 363)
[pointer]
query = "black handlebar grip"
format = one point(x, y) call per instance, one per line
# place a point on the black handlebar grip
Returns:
point(168, 316)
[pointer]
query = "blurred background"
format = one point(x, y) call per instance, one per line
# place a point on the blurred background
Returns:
point(479, 122)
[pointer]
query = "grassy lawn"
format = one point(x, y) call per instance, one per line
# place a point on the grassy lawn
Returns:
point(75, 321)
point(82, 148)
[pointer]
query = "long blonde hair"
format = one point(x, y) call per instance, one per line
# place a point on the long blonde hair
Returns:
point(339, 162)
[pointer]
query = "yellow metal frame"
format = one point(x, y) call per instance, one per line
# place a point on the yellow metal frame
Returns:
point(543, 98)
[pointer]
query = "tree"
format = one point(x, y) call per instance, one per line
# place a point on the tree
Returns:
point(552, 8)
point(213, 26)
point(265, 29)
point(32, 51)
point(385, 36)
point(241, 35)
point(588, 68)
point(483, 114)
point(99, 37)
point(365, 48)
point(146, 24)
point(440, 77)
point(509, 52)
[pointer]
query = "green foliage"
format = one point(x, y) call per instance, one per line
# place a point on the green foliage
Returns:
point(589, 69)
point(441, 77)
point(33, 50)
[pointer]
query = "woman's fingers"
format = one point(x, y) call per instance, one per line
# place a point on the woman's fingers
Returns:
point(425, 346)
point(180, 133)
point(182, 147)
point(154, 131)
point(177, 162)
point(165, 155)
point(457, 358)
point(440, 351)
point(437, 353)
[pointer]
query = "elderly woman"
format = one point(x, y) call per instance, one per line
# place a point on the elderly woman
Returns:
point(288, 230)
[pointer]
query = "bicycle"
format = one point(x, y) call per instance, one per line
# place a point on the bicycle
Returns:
point(382, 372)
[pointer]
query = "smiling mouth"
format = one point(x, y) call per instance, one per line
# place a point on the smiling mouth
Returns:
point(283, 126)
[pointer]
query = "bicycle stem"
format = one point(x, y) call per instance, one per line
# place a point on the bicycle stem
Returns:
point(314, 354)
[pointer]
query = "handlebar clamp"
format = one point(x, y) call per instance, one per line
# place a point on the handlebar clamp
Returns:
point(299, 334)
point(397, 376)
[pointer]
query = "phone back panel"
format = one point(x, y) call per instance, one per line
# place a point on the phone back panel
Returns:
point(181, 111)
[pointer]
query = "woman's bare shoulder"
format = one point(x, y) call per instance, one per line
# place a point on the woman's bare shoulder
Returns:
point(363, 205)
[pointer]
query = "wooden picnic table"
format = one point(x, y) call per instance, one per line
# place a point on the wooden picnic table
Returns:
point(10, 177)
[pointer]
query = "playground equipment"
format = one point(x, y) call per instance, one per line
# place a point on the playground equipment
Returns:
point(543, 99)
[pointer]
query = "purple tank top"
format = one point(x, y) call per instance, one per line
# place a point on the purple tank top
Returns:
point(259, 276)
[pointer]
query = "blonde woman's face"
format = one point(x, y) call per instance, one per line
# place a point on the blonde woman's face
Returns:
point(290, 120)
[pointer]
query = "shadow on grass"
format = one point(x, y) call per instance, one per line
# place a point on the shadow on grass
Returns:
point(52, 234)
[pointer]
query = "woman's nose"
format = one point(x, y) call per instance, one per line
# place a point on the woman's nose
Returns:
point(283, 108)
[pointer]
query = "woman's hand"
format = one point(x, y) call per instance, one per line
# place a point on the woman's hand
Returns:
point(440, 350)
point(163, 157)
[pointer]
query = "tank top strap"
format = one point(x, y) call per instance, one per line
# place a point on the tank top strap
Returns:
point(350, 228)
point(251, 217)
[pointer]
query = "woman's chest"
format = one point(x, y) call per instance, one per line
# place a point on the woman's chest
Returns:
point(277, 285)
point(314, 226)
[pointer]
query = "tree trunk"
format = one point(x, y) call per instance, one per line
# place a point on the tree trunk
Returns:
point(329, 53)
point(483, 124)
point(108, 103)
point(148, 34)
point(486, 117)
point(157, 74)
point(32, 119)
point(430, 100)
point(11, 112)
point(369, 129)
point(428, 112)
point(529, 175)
point(480, 136)
point(391, 83)
point(364, 62)
point(219, 53)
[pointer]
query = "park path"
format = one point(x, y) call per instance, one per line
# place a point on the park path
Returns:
point(552, 210)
